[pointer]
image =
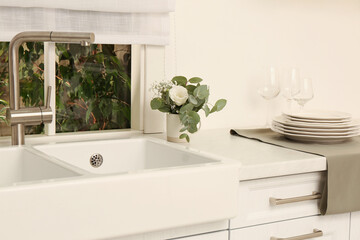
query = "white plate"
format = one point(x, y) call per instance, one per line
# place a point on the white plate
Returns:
point(316, 120)
point(320, 130)
point(318, 139)
point(320, 115)
point(331, 134)
point(286, 122)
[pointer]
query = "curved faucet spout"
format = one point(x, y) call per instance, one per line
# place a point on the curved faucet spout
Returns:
point(17, 130)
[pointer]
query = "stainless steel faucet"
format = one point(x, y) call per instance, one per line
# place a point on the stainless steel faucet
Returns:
point(17, 117)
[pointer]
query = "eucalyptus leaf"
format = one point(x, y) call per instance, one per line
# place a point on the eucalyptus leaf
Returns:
point(195, 80)
point(156, 103)
point(164, 109)
point(179, 80)
point(184, 135)
point(193, 100)
point(201, 92)
point(183, 117)
point(183, 129)
point(190, 88)
point(219, 105)
point(206, 110)
point(199, 104)
point(194, 116)
point(186, 108)
point(192, 128)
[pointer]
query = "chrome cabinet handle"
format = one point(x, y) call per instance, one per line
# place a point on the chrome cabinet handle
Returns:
point(316, 233)
point(279, 201)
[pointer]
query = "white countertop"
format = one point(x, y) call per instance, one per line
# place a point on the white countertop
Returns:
point(259, 160)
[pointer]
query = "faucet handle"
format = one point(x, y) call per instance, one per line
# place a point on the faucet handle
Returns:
point(32, 115)
point(48, 97)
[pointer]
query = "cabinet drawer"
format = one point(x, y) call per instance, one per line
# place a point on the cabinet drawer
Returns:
point(223, 235)
point(255, 207)
point(333, 227)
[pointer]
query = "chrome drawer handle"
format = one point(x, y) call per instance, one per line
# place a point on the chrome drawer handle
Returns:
point(316, 233)
point(279, 201)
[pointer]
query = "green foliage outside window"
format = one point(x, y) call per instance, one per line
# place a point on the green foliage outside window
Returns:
point(3, 75)
point(92, 85)
point(31, 68)
point(3, 103)
point(93, 88)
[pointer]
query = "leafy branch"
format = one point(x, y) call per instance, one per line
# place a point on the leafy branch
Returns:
point(197, 99)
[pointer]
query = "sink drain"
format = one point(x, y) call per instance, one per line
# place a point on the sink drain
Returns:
point(96, 160)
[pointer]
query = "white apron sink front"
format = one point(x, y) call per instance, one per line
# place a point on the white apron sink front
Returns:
point(143, 185)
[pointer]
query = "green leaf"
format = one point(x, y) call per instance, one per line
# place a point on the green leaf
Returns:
point(88, 112)
point(200, 103)
point(3, 102)
point(184, 135)
point(201, 92)
point(156, 103)
point(95, 126)
point(186, 108)
point(195, 80)
point(183, 118)
point(183, 129)
point(190, 88)
point(192, 128)
point(193, 100)
point(194, 117)
point(206, 110)
point(165, 109)
point(219, 105)
point(99, 57)
point(179, 80)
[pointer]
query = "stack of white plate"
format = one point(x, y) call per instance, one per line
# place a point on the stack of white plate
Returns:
point(317, 126)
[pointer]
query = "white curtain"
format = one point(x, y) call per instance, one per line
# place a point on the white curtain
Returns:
point(112, 21)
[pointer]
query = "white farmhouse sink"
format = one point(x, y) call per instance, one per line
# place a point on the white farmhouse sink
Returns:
point(143, 185)
point(20, 165)
point(120, 156)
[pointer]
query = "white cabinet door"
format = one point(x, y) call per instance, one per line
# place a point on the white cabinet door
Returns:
point(224, 235)
point(334, 227)
point(355, 226)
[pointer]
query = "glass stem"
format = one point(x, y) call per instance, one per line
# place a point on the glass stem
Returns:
point(268, 117)
point(301, 108)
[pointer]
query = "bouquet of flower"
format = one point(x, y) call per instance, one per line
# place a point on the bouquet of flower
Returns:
point(186, 98)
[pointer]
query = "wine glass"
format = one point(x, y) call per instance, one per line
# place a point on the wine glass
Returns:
point(291, 87)
point(305, 94)
point(269, 90)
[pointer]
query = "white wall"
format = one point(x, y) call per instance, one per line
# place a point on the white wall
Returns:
point(229, 42)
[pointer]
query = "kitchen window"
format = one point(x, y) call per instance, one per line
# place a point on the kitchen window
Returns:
point(143, 27)
point(93, 85)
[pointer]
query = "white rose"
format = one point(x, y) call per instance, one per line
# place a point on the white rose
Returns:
point(178, 94)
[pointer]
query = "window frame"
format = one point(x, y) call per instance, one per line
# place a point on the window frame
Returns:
point(147, 67)
point(50, 80)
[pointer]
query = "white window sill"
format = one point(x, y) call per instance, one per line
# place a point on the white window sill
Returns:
point(74, 137)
